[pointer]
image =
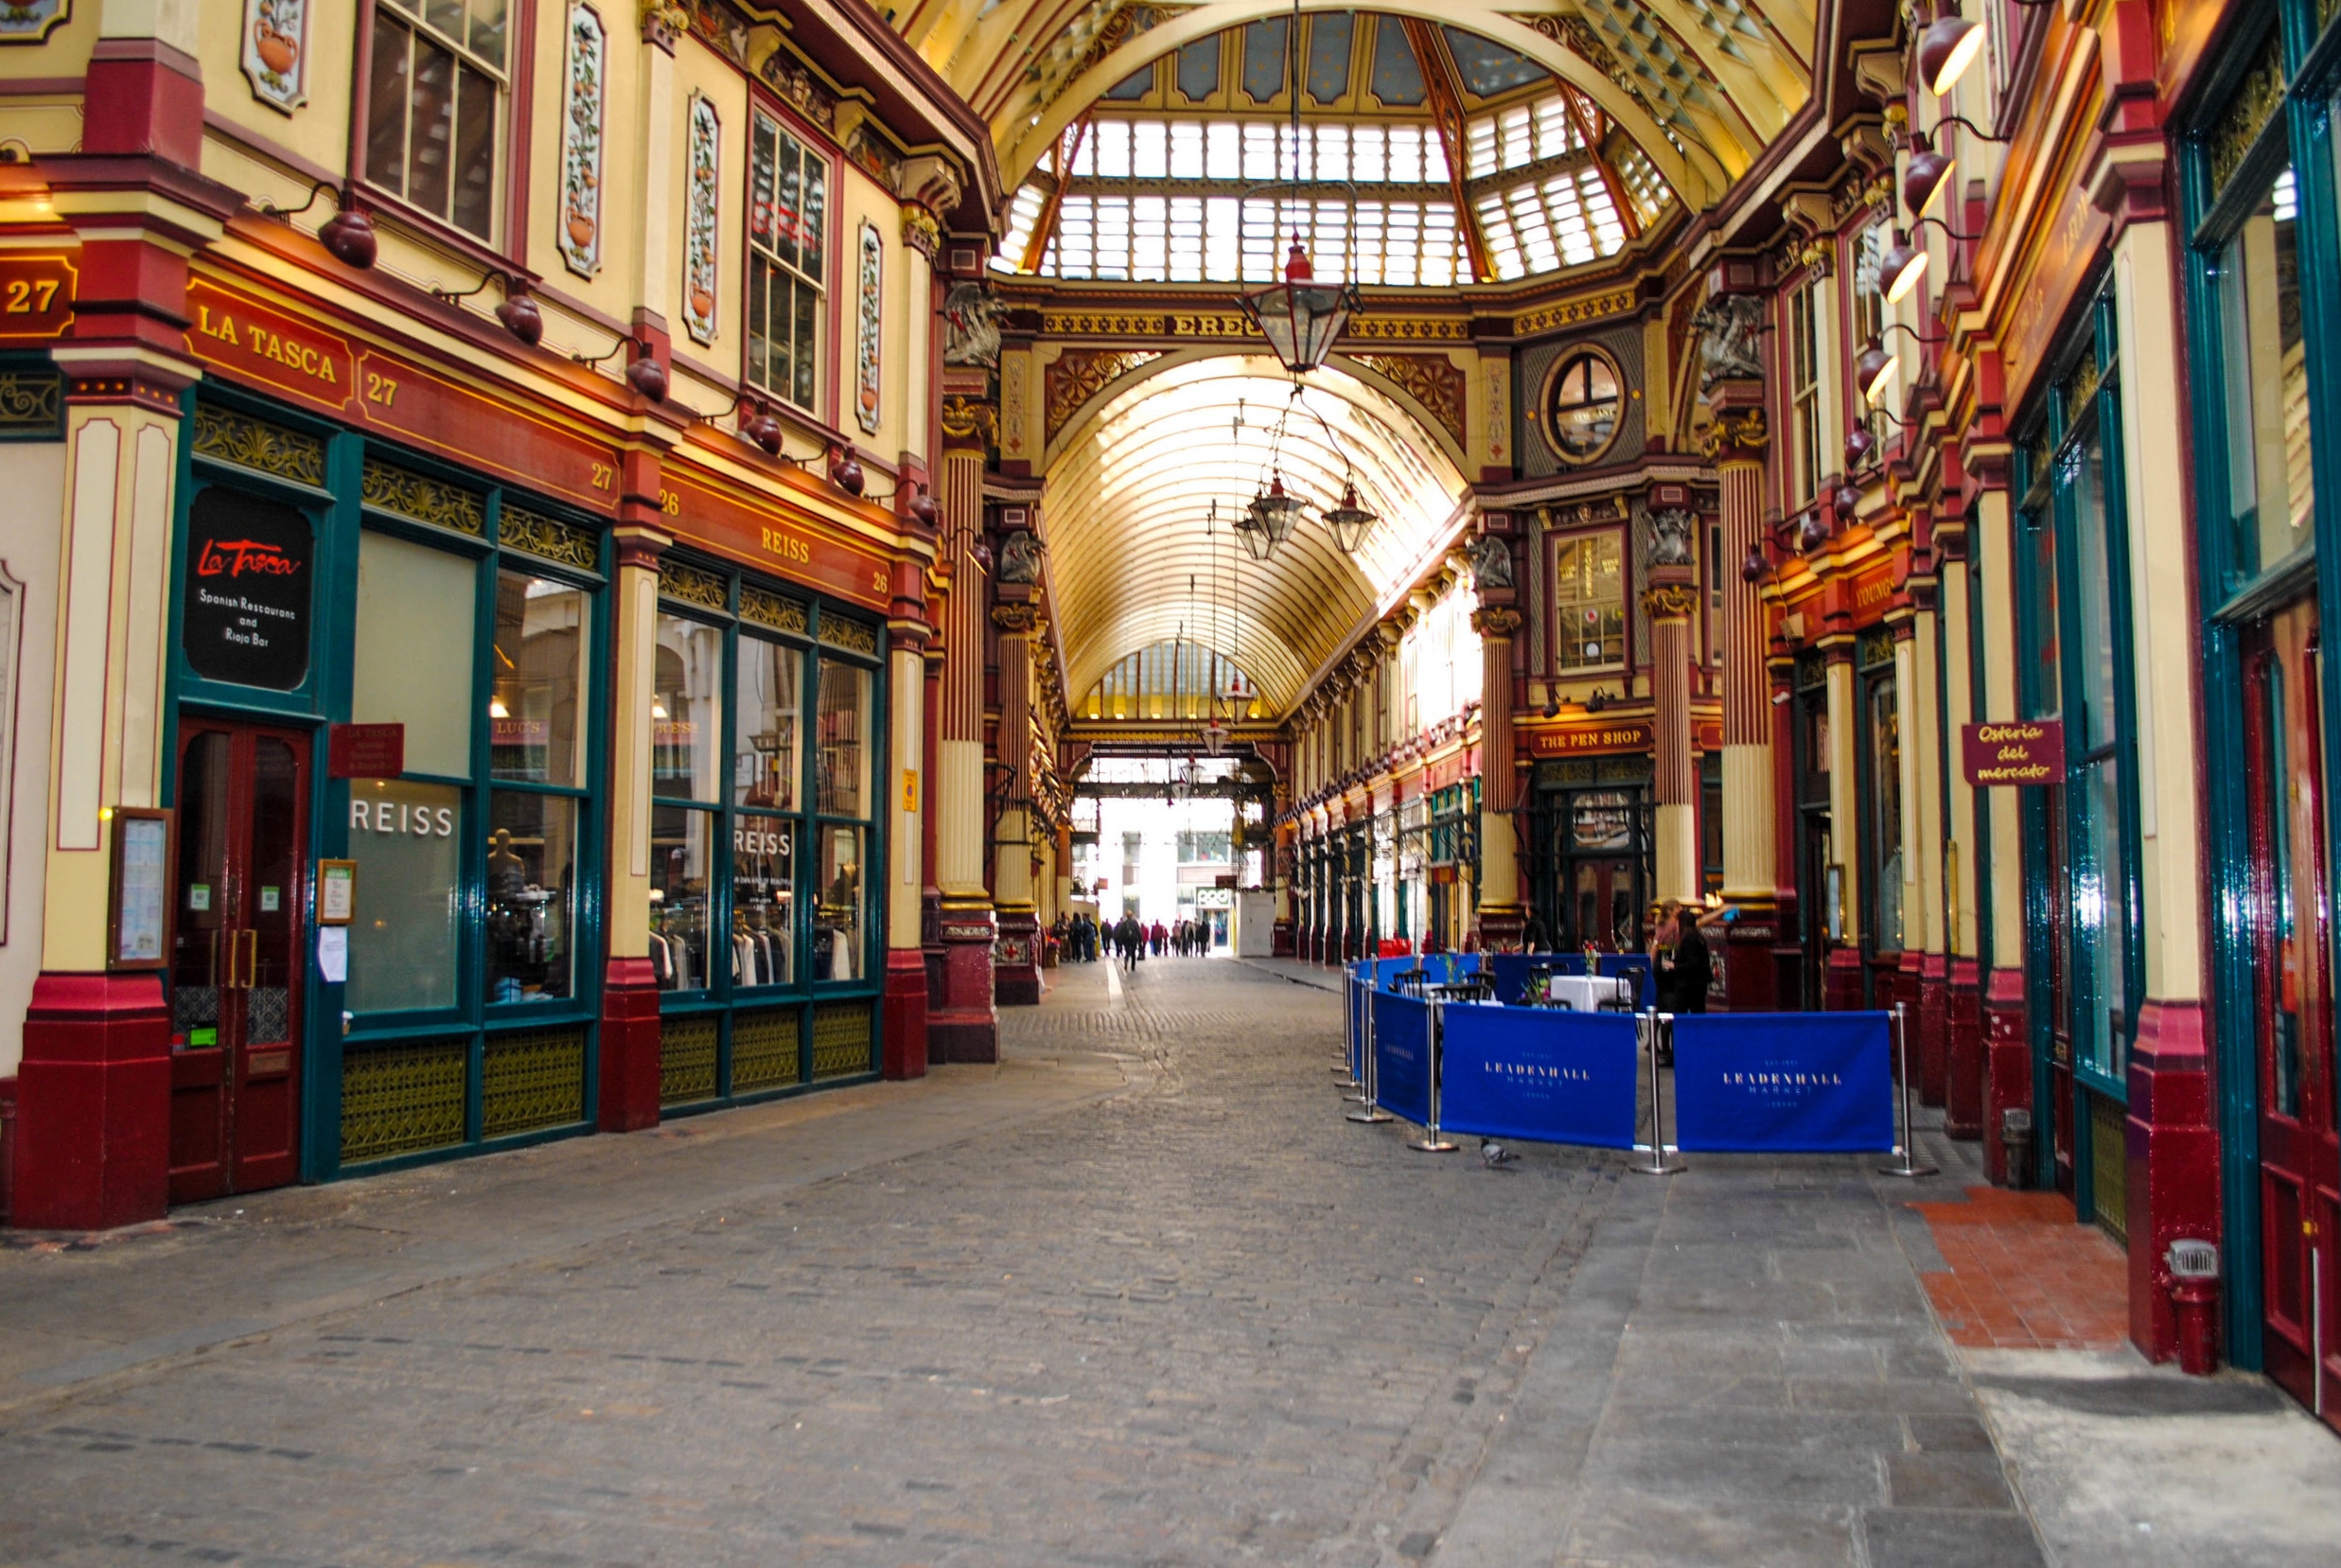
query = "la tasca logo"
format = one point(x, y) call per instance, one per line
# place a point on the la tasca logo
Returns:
point(240, 557)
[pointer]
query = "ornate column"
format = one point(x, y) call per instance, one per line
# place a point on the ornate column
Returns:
point(905, 958)
point(1500, 918)
point(1962, 1048)
point(1016, 962)
point(1735, 443)
point(629, 1034)
point(962, 1022)
point(94, 1089)
point(1671, 601)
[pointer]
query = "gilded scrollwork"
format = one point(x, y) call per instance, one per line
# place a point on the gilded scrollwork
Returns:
point(1081, 374)
point(548, 539)
point(693, 584)
point(412, 495)
point(226, 437)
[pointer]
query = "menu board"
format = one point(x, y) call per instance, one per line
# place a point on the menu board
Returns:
point(141, 889)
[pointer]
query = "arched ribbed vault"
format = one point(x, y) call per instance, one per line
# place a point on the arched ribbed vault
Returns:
point(1131, 563)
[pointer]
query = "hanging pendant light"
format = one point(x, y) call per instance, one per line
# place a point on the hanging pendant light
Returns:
point(1349, 522)
point(1300, 317)
point(1273, 512)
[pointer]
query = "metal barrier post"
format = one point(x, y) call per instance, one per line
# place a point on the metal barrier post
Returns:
point(1907, 1165)
point(1660, 1163)
point(1345, 1068)
point(1431, 1143)
point(1351, 1068)
point(1369, 1112)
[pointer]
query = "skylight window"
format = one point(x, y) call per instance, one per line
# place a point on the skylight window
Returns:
point(1523, 134)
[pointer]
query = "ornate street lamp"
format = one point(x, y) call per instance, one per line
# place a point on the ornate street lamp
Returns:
point(1272, 514)
point(1948, 47)
point(1348, 521)
point(1299, 316)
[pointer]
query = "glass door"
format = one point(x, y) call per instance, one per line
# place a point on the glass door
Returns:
point(2292, 1005)
point(236, 962)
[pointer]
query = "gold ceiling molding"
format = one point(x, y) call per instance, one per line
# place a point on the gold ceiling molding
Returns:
point(1231, 323)
point(1432, 380)
point(1081, 374)
point(1569, 312)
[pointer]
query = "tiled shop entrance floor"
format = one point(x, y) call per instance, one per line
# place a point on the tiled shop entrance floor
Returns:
point(1138, 1296)
point(2021, 1275)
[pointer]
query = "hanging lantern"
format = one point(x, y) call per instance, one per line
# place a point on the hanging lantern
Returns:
point(1272, 514)
point(1300, 317)
point(1349, 522)
point(1215, 738)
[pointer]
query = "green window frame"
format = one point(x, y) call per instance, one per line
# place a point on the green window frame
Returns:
point(2078, 665)
point(802, 791)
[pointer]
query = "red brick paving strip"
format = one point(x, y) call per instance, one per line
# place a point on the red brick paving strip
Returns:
point(2023, 1275)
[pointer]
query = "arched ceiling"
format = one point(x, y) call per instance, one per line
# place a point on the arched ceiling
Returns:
point(1701, 85)
point(1132, 562)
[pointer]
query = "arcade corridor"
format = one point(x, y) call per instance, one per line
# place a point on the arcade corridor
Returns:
point(1137, 1295)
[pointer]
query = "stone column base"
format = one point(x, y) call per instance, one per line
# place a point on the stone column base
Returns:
point(2173, 1158)
point(93, 1098)
point(1751, 978)
point(629, 1078)
point(1962, 1051)
point(1016, 962)
point(2008, 1073)
point(964, 1024)
point(1840, 981)
point(903, 1013)
point(1926, 984)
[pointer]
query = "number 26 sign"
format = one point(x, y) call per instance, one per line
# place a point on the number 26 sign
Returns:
point(36, 295)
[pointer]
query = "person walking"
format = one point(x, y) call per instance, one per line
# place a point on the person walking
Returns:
point(1128, 937)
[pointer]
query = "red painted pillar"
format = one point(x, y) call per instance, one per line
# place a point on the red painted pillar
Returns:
point(2007, 1073)
point(1962, 1051)
point(1926, 985)
point(629, 1046)
point(93, 1133)
point(2173, 1150)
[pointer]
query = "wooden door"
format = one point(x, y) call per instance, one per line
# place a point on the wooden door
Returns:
point(237, 965)
point(2299, 1149)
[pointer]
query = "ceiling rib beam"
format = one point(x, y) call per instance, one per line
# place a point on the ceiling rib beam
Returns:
point(1445, 90)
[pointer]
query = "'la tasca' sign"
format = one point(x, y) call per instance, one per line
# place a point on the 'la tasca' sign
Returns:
point(2029, 751)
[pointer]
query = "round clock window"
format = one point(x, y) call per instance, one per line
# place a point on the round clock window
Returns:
point(1583, 407)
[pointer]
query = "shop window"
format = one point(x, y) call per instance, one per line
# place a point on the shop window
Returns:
point(787, 901)
point(788, 214)
point(2077, 666)
point(1582, 405)
point(1589, 601)
point(537, 749)
point(435, 107)
point(2270, 480)
point(416, 611)
point(403, 945)
point(1804, 392)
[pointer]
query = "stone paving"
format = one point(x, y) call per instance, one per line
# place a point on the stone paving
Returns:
point(1138, 1296)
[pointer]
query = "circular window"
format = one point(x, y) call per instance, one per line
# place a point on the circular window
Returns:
point(1582, 406)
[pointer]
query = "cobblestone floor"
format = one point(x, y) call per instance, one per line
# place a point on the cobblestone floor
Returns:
point(1139, 1296)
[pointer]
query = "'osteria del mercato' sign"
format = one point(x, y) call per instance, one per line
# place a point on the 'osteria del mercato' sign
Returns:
point(2024, 751)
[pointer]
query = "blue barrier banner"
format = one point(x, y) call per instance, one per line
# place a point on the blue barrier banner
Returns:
point(1784, 1082)
point(1536, 1073)
point(1437, 969)
point(1402, 1056)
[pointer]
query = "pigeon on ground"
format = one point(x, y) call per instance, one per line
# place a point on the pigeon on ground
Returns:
point(1495, 1155)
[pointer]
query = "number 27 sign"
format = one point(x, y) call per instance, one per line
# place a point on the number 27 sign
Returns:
point(36, 295)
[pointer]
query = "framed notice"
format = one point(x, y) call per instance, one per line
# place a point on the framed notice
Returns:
point(140, 904)
point(337, 891)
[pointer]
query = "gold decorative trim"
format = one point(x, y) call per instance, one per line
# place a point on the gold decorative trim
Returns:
point(31, 401)
point(2258, 98)
point(692, 586)
point(687, 1049)
point(1432, 380)
point(841, 632)
point(964, 419)
point(1495, 621)
point(549, 538)
point(424, 499)
point(226, 437)
point(1742, 435)
point(1081, 375)
point(1670, 602)
point(1569, 312)
point(770, 610)
point(533, 1079)
point(1113, 324)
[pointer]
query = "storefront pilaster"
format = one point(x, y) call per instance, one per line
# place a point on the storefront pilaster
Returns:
point(2007, 1033)
point(1736, 440)
point(94, 1086)
point(1501, 917)
point(1963, 1032)
point(1841, 986)
point(629, 1029)
point(1921, 982)
point(1016, 962)
point(1671, 601)
point(962, 1018)
point(906, 1054)
point(2172, 1187)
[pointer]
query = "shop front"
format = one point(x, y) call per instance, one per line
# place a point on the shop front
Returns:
point(385, 766)
point(2265, 228)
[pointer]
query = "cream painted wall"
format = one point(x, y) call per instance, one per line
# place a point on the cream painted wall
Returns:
point(33, 476)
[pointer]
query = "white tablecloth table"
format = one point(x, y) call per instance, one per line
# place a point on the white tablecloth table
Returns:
point(1592, 993)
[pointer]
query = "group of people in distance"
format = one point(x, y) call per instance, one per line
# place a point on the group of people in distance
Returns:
point(1082, 940)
